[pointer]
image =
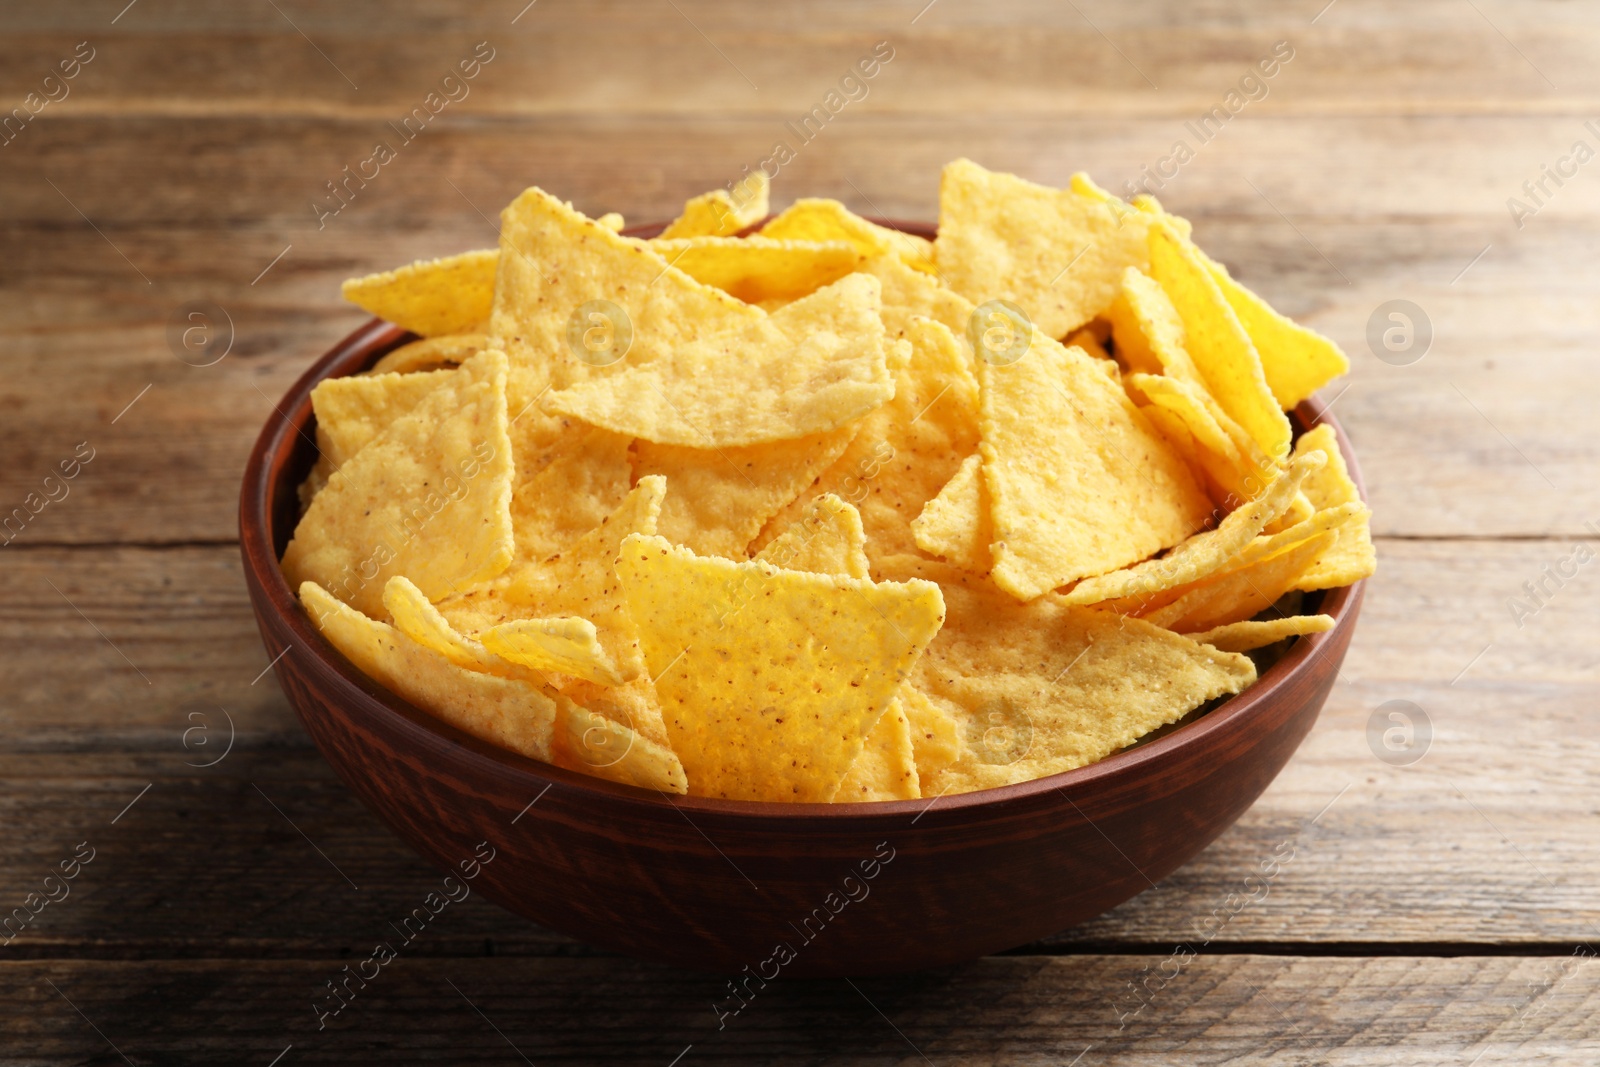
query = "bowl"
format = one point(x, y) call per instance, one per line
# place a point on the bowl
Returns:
point(753, 889)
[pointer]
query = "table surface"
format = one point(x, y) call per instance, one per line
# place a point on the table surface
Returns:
point(1441, 912)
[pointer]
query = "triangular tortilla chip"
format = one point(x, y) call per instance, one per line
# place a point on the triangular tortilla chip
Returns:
point(827, 538)
point(886, 768)
point(1258, 633)
point(1296, 361)
point(351, 411)
point(1079, 483)
point(1243, 592)
point(1041, 688)
point(718, 499)
point(429, 497)
point(432, 353)
point(811, 366)
point(907, 449)
point(580, 584)
point(815, 219)
point(618, 734)
point(513, 714)
point(760, 269)
point(1232, 461)
point(935, 735)
point(770, 679)
point(908, 293)
point(1216, 341)
point(1056, 253)
point(419, 620)
point(723, 212)
point(955, 524)
point(567, 482)
point(431, 296)
point(567, 645)
point(1352, 556)
point(1203, 554)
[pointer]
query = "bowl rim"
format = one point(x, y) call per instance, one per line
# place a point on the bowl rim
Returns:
point(288, 426)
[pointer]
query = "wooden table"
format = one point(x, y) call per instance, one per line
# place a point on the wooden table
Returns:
point(1438, 913)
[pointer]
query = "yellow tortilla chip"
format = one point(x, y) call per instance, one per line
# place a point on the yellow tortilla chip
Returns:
point(512, 714)
point(419, 620)
point(955, 524)
point(1296, 361)
point(718, 499)
point(597, 745)
point(885, 769)
point(760, 269)
point(812, 366)
point(722, 213)
point(566, 483)
point(1205, 553)
point(1056, 253)
point(1215, 340)
point(770, 679)
point(1352, 556)
point(579, 583)
point(561, 269)
point(814, 219)
point(1241, 593)
point(432, 353)
point(827, 538)
point(1239, 473)
point(567, 645)
point(352, 411)
point(1040, 688)
point(935, 734)
point(429, 497)
point(1259, 633)
point(430, 297)
point(909, 448)
point(908, 293)
point(1079, 483)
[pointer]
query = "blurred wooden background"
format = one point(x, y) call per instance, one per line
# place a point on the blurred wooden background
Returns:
point(1442, 912)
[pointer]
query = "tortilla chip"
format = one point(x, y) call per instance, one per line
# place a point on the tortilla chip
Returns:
point(579, 583)
point(955, 524)
point(722, 213)
point(431, 296)
point(568, 480)
point(432, 353)
point(1232, 462)
point(598, 745)
point(718, 499)
point(419, 620)
point(1352, 556)
point(1259, 633)
point(1205, 553)
point(512, 714)
point(1056, 253)
point(815, 219)
point(812, 366)
point(566, 645)
point(1296, 361)
point(908, 293)
point(909, 448)
point(760, 269)
point(429, 497)
point(1079, 483)
point(1040, 688)
point(935, 734)
point(352, 411)
point(826, 539)
point(885, 769)
point(1215, 340)
point(1241, 593)
point(770, 679)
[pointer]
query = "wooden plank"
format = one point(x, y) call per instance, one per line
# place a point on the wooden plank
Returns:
point(1126, 59)
point(1215, 1009)
point(1467, 438)
point(1489, 839)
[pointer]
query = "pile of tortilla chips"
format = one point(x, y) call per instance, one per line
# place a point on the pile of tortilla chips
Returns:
point(806, 509)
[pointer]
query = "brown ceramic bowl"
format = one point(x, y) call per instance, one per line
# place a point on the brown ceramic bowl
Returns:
point(796, 889)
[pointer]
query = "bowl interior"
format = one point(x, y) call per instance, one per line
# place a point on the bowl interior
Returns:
point(270, 509)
